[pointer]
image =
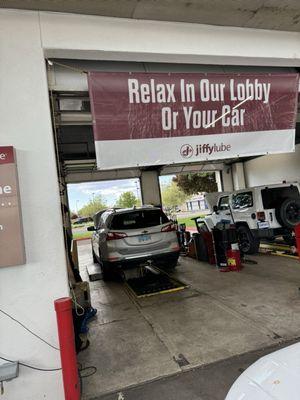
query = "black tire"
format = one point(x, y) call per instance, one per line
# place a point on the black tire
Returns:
point(95, 259)
point(172, 265)
point(168, 266)
point(288, 213)
point(247, 242)
point(107, 272)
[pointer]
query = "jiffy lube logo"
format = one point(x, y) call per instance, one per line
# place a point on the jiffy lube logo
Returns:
point(187, 150)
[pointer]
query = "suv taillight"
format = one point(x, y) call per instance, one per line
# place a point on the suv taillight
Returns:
point(115, 235)
point(261, 216)
point(168, 228)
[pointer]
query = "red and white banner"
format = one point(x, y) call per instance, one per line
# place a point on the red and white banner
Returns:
point(142, 119)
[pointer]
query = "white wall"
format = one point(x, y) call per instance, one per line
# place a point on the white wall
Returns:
point(27, 292)
point(273, 169)
point(104, 38)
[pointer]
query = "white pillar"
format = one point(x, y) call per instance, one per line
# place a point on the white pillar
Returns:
point(238, 176)
point(218, 181)
point(150, 188)
point(27, 292)
point(227, 179)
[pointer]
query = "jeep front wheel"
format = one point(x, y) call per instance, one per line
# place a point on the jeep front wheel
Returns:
point(247, 242)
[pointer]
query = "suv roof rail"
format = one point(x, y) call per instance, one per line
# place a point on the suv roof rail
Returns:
point(114, 209)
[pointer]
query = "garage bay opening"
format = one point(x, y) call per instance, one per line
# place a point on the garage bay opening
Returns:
point(155, 219)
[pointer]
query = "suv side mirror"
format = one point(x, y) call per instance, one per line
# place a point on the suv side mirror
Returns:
point(215, 209)
point(90, 228)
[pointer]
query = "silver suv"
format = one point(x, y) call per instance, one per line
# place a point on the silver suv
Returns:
point(125, 238)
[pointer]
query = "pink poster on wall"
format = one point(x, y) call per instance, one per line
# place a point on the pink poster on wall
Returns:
point(12, 251)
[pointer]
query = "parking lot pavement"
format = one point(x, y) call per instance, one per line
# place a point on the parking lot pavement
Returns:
point(209, 382)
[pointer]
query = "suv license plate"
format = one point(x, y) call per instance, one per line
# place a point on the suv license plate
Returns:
point(144, 238)
point(263, 225)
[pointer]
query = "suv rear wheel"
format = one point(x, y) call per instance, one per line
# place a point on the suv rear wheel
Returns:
point(95, 259)
point(168, 266)
point(107, 272)
point(247, 242)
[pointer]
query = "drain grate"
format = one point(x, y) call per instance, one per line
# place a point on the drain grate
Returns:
point(181, 360)
point(151, 284)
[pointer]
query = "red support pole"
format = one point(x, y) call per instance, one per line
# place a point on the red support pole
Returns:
point(297, 236)
point(63, 308)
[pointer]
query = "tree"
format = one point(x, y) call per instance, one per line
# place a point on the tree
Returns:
point(127, 200)
point(195, 183)
point(92, 207)
point(172, 195)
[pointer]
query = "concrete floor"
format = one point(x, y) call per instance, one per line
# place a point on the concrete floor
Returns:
point(219, 316)
point(208, 382)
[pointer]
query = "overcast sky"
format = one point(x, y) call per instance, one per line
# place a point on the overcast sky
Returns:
point(80, 193)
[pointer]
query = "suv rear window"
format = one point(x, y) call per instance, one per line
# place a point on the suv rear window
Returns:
point(271, 197)
point(242, 200)
point(138, 219)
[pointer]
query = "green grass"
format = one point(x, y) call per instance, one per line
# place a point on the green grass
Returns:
point(82, 235)
point(188, 222)
point(74, 226)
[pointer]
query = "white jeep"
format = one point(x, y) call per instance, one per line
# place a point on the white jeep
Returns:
point(262, 212)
